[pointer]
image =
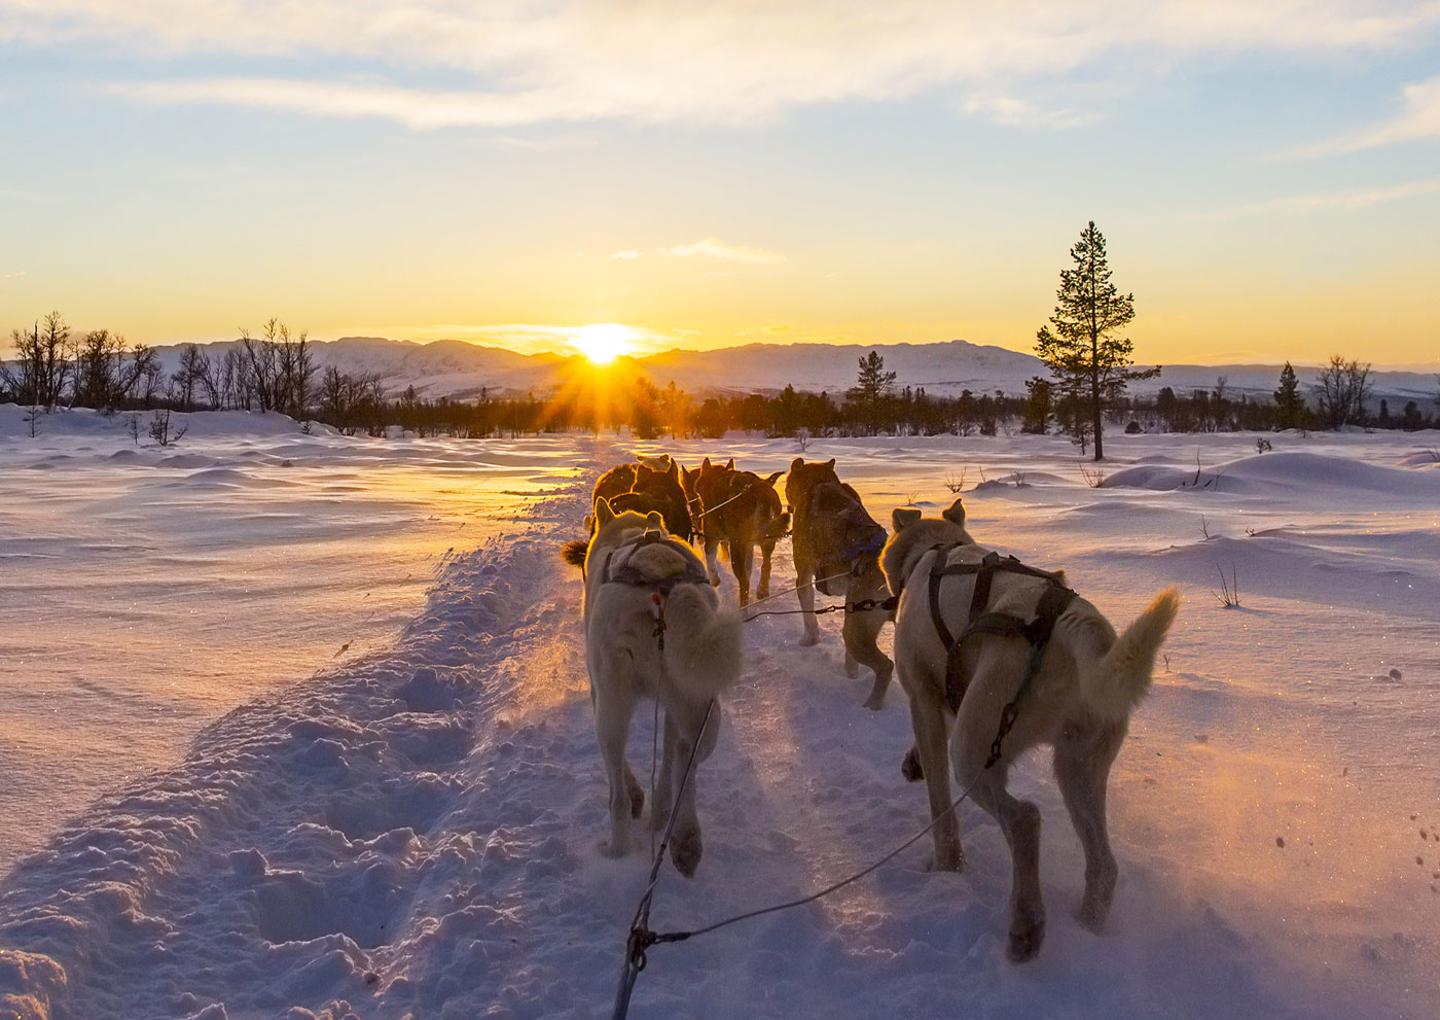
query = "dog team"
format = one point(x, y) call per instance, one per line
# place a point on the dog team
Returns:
point(995, 656)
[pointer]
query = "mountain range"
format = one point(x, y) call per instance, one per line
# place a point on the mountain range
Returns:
point(461, 369)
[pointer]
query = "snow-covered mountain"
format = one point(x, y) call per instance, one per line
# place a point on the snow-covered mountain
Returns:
point(461, 369)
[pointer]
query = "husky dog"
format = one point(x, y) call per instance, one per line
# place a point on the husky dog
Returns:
point(651, 483)
point(740, 509)
point(1078, 700)
point(653, 629)
point(835, 535)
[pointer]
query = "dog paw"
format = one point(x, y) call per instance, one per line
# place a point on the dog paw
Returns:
point(637, 797)
point(946, 862)
point(852, 668)
point(810, 639)
point(1026, 935)
point(1092, 913)
point(763, 593)
point(614, 848)
point(685, 851)
point(659, 815)
point(911, 768)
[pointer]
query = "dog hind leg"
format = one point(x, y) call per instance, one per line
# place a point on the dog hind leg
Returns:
point(1083, 756)
point(612, 726)
point(860, 632)
point(805, 589)
point(928, 717)
point(995, 681)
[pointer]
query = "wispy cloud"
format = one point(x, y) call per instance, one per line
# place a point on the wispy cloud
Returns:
point(1418, 119)
point(1014, 111)
point(710, 248)
point(571, 61)
point(1357, 198)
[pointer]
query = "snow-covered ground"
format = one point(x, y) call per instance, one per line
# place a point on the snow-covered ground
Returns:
point(413, 831)
point(144, 591)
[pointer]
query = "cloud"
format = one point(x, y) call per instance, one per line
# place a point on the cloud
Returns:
point(1419, 119)
point(1013, 111)
point(509, 63)
point(1359, 198)
point(710, 248)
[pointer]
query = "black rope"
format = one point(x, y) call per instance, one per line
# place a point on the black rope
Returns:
point(640, 937)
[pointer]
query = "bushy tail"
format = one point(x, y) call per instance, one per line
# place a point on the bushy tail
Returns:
point(1113, 684)
point(702, 644)
point(573, 553)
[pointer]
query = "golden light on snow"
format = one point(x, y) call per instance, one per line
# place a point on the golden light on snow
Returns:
point(603, 342)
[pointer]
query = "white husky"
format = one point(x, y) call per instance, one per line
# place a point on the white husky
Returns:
point(1079, 699)
point(653, 629)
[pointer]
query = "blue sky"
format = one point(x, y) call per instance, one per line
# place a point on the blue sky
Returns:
point(712, 174)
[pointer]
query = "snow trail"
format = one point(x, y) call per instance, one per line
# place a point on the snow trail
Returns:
point(413, 833)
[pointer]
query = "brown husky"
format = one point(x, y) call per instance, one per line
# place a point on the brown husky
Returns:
point(740, 509)
point(834, 535)
point(651, 484)
point(1031, 642)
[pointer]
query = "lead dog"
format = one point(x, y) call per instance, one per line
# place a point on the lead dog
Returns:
point(1079, 700)
point(653, 629)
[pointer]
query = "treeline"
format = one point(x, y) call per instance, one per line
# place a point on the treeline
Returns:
point(276, 371)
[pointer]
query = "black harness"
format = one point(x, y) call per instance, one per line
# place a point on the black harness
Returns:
point(660, 587)
point(1054, 600)
point(626, 573)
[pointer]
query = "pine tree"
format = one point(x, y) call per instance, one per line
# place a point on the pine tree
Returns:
point(1290, 405)
point(872, 385)
point(1037, 406)
point(1089, 361)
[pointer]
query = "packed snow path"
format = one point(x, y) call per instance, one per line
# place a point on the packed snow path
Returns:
point(414, 834)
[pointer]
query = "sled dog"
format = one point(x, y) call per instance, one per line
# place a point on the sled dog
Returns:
point(653, 629)
point(835, 535)
point(1083, 681)
point(740, 509)
point(651, 483)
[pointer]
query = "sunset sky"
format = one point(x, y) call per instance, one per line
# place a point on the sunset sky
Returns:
point(1268, 174)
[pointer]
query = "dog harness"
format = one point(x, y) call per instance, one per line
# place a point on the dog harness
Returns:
point(1054, 600)
point(661, 587)
point(855, 537)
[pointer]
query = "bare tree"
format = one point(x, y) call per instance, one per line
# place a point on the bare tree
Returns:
point(1341, 391)
point(42, 363)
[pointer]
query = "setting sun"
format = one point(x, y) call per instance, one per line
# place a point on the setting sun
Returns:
point(603, 342)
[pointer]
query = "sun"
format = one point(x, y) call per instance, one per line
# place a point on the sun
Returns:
point(603, 342)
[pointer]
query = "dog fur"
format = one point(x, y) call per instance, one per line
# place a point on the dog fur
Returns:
point(700, 659)
point(741, 510)
point(1079, 703)
point(650, 484)
point(861, 630)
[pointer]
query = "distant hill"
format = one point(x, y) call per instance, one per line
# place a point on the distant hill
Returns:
point(461, 369)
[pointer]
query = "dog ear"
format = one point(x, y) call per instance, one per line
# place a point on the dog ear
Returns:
point(956, 513)
point(903, 517)
point(603, 514)
point(674, 471)
point(797, 464)
point(774, 478)
point(731, 465)
point(654, 521)
point(705, 464)
point(830, 463)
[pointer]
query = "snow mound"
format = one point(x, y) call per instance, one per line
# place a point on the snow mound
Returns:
point(1276, 472)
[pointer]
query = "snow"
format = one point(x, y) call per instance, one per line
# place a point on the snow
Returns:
point(412, 831)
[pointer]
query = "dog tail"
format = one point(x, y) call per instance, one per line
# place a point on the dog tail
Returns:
point(703, 644)
point(1112, 684)
point(574, 552)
